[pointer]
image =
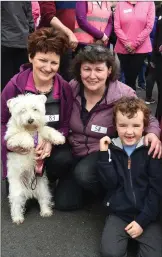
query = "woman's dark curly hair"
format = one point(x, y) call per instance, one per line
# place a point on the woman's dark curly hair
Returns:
point(129, 106)
point(94, 53)
point(47, 40)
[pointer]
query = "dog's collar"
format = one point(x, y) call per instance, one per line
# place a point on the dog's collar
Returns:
point(35, 137)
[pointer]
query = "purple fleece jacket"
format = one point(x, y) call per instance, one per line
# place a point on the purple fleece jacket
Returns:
point(81, 16)
point(16, 86)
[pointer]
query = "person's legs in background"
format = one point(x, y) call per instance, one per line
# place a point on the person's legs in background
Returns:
point(158, 71)
point(21, 57)
point(11, 60)
point(150, 82)
point(141, 77)
point(6, 65)
point(131, 65)
point(65, 64)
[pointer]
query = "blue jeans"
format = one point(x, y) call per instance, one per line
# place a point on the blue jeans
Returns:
point(141, 76)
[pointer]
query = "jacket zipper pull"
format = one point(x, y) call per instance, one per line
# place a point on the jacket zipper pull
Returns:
point(129, 163)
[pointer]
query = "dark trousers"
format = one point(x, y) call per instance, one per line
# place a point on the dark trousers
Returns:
point(59, 163)
point(115, 240)
point(158, 71)
point(150, 82)
point(85, 172)
point(11, 60)
point(65, 64)
point(80, 185)
point(131, 64)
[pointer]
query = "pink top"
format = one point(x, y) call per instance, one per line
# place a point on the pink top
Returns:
point(35, 12)
point(133, 24)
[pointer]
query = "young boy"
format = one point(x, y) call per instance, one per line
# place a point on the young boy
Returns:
point(133, 180)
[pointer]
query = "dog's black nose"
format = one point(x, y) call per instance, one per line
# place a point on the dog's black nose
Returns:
point(30, 121)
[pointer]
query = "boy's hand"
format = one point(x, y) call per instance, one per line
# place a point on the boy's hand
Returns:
point(134, 229)
point(104, 143)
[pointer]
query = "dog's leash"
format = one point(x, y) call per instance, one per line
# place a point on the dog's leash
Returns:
point(34, 181)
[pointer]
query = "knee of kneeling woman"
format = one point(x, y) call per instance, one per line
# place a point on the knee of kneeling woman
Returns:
point(81, 177)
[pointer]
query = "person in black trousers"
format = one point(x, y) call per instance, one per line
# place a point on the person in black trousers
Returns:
point(16, 24)
point(157, 61)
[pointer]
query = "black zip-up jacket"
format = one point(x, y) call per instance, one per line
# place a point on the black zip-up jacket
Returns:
point(134, 184)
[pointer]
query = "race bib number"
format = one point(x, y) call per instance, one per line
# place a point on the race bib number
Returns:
point(128, 10)
point(99, 129)
point(52, 118)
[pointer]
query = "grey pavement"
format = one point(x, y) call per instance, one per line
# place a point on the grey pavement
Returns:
point(65, 234)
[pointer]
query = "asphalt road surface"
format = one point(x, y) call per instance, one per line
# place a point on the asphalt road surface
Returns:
point(65, 234)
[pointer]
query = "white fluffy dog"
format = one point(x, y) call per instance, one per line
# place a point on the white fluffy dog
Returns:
point(27, 119)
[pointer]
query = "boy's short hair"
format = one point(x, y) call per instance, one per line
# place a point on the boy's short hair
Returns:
point(129, 106)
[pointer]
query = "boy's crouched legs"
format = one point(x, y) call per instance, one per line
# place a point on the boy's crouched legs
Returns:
point(114, 238)
point(150, 242)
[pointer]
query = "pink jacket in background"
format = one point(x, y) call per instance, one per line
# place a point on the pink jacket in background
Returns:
point(133, 24)
point(35, 12)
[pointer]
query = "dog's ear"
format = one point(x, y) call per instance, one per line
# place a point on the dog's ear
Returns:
point(42, 98)
point(11, 103)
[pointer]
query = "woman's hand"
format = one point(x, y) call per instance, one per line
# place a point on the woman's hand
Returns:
point(104, 143)
point(155, 145)
point(73, 41)
point(19, 150)
point(43, 150)
point(129, 48)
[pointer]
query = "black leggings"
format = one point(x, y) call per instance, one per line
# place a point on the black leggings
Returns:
point(59, 162)
point(11, 60)
point(131, 65)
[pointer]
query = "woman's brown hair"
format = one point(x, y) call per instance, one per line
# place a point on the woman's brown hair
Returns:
point(47, 40)
point(95, 53)
point(129, 106)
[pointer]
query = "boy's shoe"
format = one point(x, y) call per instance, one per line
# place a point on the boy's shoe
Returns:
point(149, 101)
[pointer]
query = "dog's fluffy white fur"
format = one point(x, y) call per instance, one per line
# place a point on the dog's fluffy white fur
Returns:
point(27, 118)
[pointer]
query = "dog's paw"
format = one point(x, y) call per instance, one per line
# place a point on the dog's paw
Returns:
point(46, 212)
point(59, 140)
point(18, 220)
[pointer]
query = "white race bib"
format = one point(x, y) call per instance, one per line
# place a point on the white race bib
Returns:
point(52, 118)
point(128, 10)
point(99, 129)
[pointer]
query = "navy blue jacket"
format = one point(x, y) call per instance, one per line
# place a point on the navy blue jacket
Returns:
point(133, 183)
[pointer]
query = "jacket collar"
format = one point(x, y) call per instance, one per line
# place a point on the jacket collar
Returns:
point(117, 142)
point(114, 86)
